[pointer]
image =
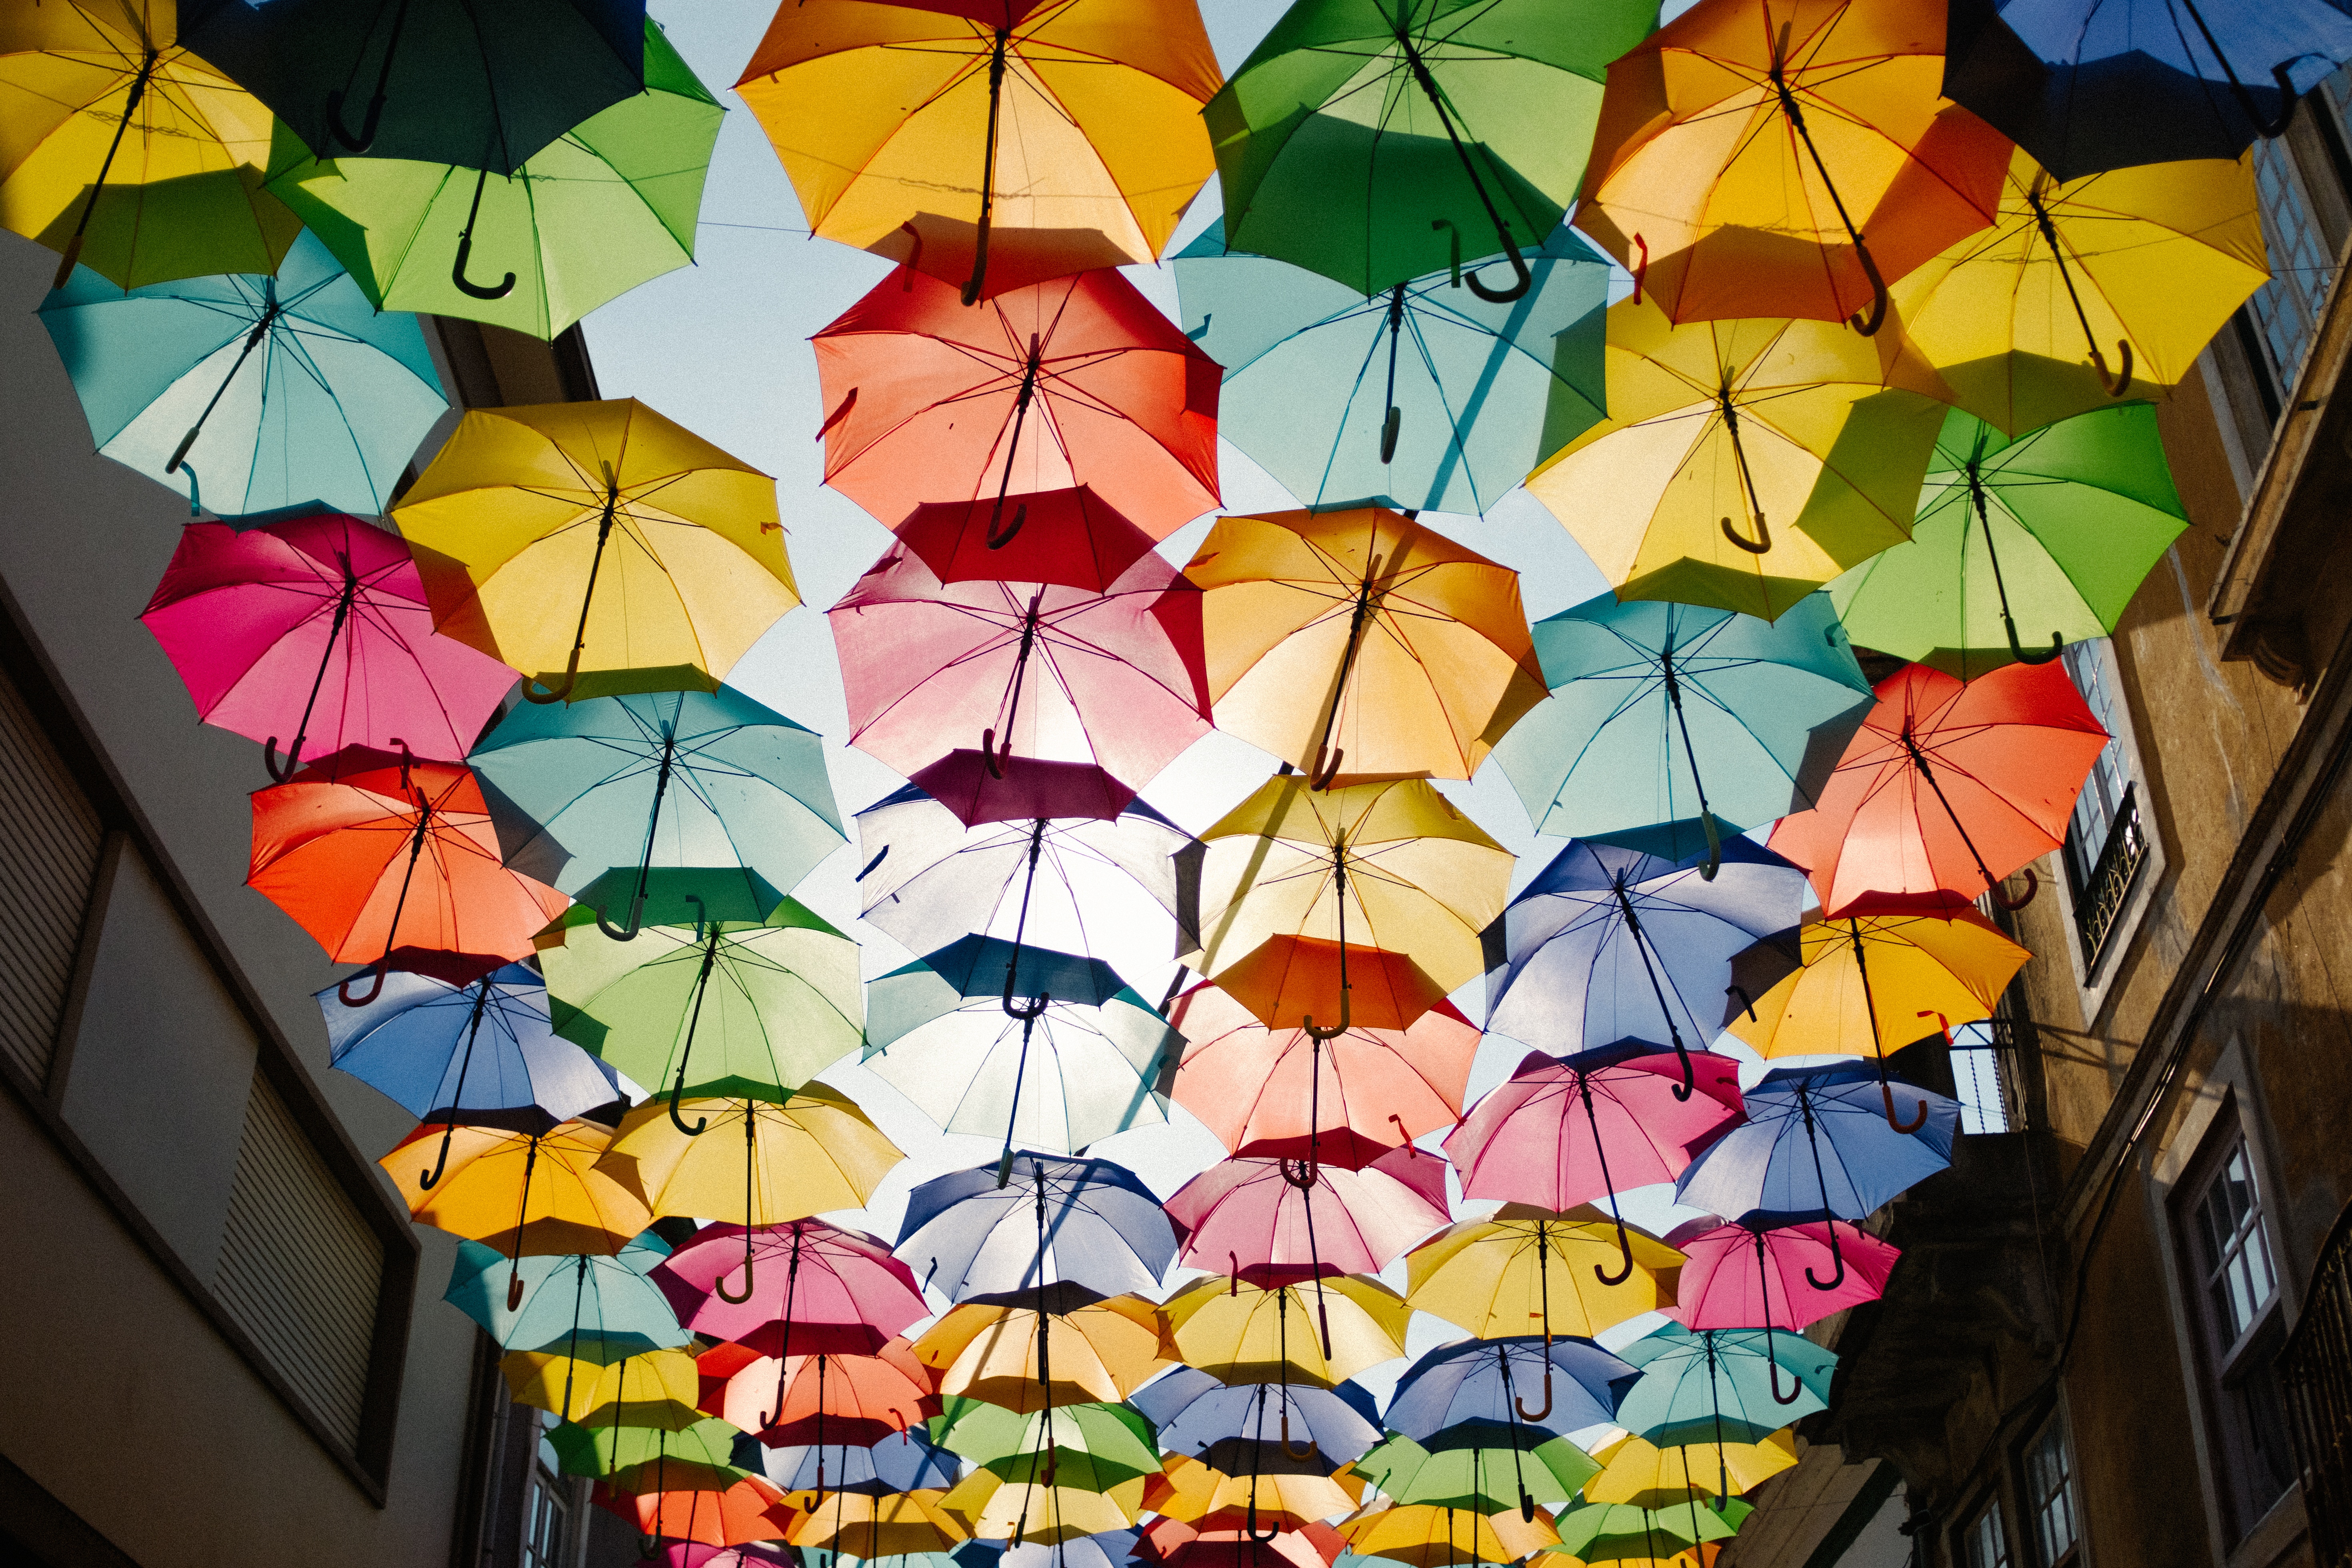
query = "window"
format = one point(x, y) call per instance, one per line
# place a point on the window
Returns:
point(2105, 843)
point(546, 1503)
point(2235, 1281)
point(2050, 1494)
point(1981, 1078)
point(1985, 1543)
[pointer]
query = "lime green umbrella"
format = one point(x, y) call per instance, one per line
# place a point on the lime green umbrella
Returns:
point(1089, 1448)
point(1603, 1532)
point(1380, 141)
point(1479, 1470)
point(2045, 535)
point(599, 210)
point(647, 1458)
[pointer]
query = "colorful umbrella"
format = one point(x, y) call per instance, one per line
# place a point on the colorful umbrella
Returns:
point(993, 1509)
point(611, 202)
point(1240, 1333)
point(1735, 1270)
point(638, 1458)
point(2000, 758)
point(824, 1290)
point(1088, 1221)
point(1106, 1549)
point(652, 1390)
point(518, 1193)
point(1021, 789)
point(1090, 1446)
point(1818, 1141)
point(524, 509)
point(1255, 1217)
point(1482, 1479)
point(327, 608)
point(817, 1151)
point(846, 1399)
point(589, 1308)
point(1360, 634)
point(1080, 380)
point(1719, 1385)
point(1431, 398)
point(1243, 1480)
point(1603, 1532)
point(907, 1462)
point(1069, 537)
point(1428, 1536)
point(1079, 1349)
point(749, 1510)
point(1195, 1411)
point(853, 1524)
point(1635, 1470)
point(1496, 1277)
point(1477, 1382)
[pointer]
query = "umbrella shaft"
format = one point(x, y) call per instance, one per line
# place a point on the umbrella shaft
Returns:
point(334, 629)
point(653, 819)
point(130, 107)
point(1021, 928)
point(1428, 83)
point(1641, 946)
point(1796, 117)
point(1919, 760)
point(1363, 611)
point(596, 561)
point(1675, 697)
point(2043, 221)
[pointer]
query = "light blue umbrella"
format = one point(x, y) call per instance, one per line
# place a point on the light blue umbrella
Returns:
point(272, 392)
point(1818, 1140)
point(1423, 396)
point(1721, 1385)
point(599, 1309)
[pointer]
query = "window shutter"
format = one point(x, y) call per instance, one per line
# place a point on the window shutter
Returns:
point(49, 863)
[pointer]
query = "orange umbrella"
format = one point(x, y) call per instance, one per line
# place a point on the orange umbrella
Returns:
point(853, 1399)
point(1747, 148)
point(751, 1509)
point(365, 849)
point(520, 1192)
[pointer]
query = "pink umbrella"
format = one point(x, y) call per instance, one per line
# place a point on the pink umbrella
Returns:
point(1766, 1270)
point(1257, 1217)
point(319, 629)
point(809, 1289)
point(753, 1554)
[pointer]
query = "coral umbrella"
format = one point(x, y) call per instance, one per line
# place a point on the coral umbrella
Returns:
point(1636, 1470)
point(817, 1151)
point(1819, 1141)
point(1068, 135)
point(1428, 1536)
point(518, 1193)
point(1307, 1546)
point(1949, 787)
point(1240, 1333)
point(589, 1308)
point(1076, 382)
point(1194, 1412)
point(1088, 1221)
point(1496, 1277)
point(1359, 644)
point(1747, 147)
point(933, 671)
point(653, 1389)
point(1721, 1385)
point(843, 1399)
point(1242, 1080)
point(749, 1510)
point(1814, 1268)
point(366, 848)
point(1255, 1216)
point(320, 621)
point(824, 1290)
point(1078, 1350)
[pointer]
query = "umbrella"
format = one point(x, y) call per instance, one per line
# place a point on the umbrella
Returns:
point(1069, 537)
point(1745, 463)
point(838, 1292)
point(907, 1462)
point(1653, 701)
point(1108, 1549)
point(1195, 1411)
point(1429, 398)
point(1817, 1140)
point(518, 1193)
point(1600, 1533)
point(366, 848)
point(1256, 1215)
point(130, 154)
point(1090, 1446)
point(749, 1510)
point(853, 1523)
point(1077, 1351)
point(2002, 757)
point(1479, 1380)
point(1021, 789)
point(1070, 135)
point(1717, 1385)
point(1240, 1333)
point(993, 1509)
point(1392, 862)
point(2091, 87)
point(814, 1153)
point(2081, 510)
point(1429, 1536)
point(1708, 179)
point(1375, 146)
point(1088, 1221)
point(1080, 380)
point(946, 1032)
point(2146, 263)
point(1609, 944)
point(1314, 1545)
point(1486, 1479)
point(926, 879)
point(323, 607)
point(1243, 1080)
point(931, 670)
point(649, 1458)
point(611, 202)
point(667, 778)
point(418, 1040)
point(271, 390)
point(1735, 1270)
point(1245, 1480)
point(1360, 634)
point(588, 1307)
point(525, 508)
point(845, 1399)
point(1495, 1277)
point(655, 1389)
point(1637, 1471)
point(750, 1554)
point(438, 82)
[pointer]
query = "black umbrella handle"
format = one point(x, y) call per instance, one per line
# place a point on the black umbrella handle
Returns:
point(366, 138)
point(1836, 1256)
point(465, 249)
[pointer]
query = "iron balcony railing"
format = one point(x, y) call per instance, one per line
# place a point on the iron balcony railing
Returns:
point(2100, 899)
point(2314, 1374)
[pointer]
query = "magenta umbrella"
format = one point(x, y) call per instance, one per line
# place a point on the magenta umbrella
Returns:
point(319, 629)
point(1776, 1270)
point(815, 1289)
point(1280, 1222)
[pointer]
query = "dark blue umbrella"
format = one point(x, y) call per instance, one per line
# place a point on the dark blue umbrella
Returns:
point(1194, 1412)
point(1817, 1140)
point(1089, 1221)
point(1471, 1393)
point(901, 1463)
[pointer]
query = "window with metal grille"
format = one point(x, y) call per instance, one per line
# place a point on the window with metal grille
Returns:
point(48, 864)
point(2235, 1281)
point(2050, 1495)
point(1984, 1543)
point(1983, 1080)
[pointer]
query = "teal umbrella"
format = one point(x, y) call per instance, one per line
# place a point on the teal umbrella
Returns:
point(269, 392)
point(1664, 713)
point(656, 779)
point(1721, 1385)
point(601, 1310)
point(1427, 396)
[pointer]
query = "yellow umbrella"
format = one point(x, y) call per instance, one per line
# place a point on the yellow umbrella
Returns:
point(856, 1525)
point(1100, 1353)
point(598, 535)
point(1868, 982)
point(1745, 463)
point(521, 1193)
point(126, 152)
point(658, 1388)
point(1361, 644)
point(816, 1152)
point(1635, 1470)
point(1190, 1489)
point(2143, 265)
point(1070, 133)
point(1524, 1270)
point(1239, 1333)
point(1432, 1536)
point(991, 1508)
point(1392, 866)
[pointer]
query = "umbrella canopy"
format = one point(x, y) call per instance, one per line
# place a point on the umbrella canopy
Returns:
point(648, 1458)
point(855, 1524)
point(1431, 398)
point(1259, 1089)
point(1195, 1411)
point(993, 1509)
point(1261, 1484)
point(811, 1288)
point(1598, 1533)
point(265, 391)
point(1524, 1267)
point(1069, 537)
point(907, 1462)
point(1240, 1333)
point(1108, 1549)
point(525, 511)
point(588, 1308)
point(1430, 1536)
point(1255, 1217)
point(1307, 1546)
point(2054, 529)
point(129, 154)
point(329, 613)
point(1113, 679)
point(816, 1152)
point(611, 202)
point(1482, 1479)
point(1721, 1384)
point(1818, 1141)
point(1021, 789)
point(1747, 146)
point(1375, 145)
point(1360, 644)
point(1025, 1360)
point(1662, 712)
point(434, 80)
point(665, 778)
point(1744, 463)
point(1635, 1470)
point(843, 1399)
point(1778, 1269)
point(1087, 1222)
point(1044, 140)
point(1490, 1382)
point(2023, 316)
point(1080, 380)
point(749, 1510)
point(652, 1390)
point(366, 848)
point(518, 1193)
point(1090, 1446)
point(1949, 787)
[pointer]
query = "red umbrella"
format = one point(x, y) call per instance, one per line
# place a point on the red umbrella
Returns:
point(809, 1287)
point(751, 1509)
point(1948, 787)
point(1116, 678)
point(1781, 1271)
point(1021, 789)
point(318, 629)
point(1069, 537)
point(1079, 381)
point(851, 1400)
point(1257, 1219)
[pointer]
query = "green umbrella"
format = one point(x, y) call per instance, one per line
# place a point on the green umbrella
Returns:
point(1602, 1532)
point(1487, 1477)
point(1380, 141)
point(701, 1456)
point(2050, 532)
point(601, 209)
point(1090, 1448)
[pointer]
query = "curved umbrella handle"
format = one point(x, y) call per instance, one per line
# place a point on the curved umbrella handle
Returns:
point(1023, 1012)
point(378, 970)
point(676, 1089)
point(1868, 325)
point(988, 754)
point(1521, 1405)
point(1747, 1002)
point(514, 1286)
point(1452, 236)
point(1299, 1173)
point(996, 540)
point(1796, 1385)
point(1249, 1524)
point(1682, 1091)
point(2032, 886)
point(281, 773)
point(1641, 270)
point(2018, 652)
point(1521, 279)
point(1305, 1450)
point(1306, 1024)
point(1624, 1264)
point(1887, 1089)
point(466, 285)
point(366, 138)
point(728, 1296)
point(425, 1179)
point(1761, 545)
point(1320, 775)
point(1714, 847)
point(629, 931)
point(648, 1547)
point(2120, 382)
point(1836, 1256)
point(534, 692)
